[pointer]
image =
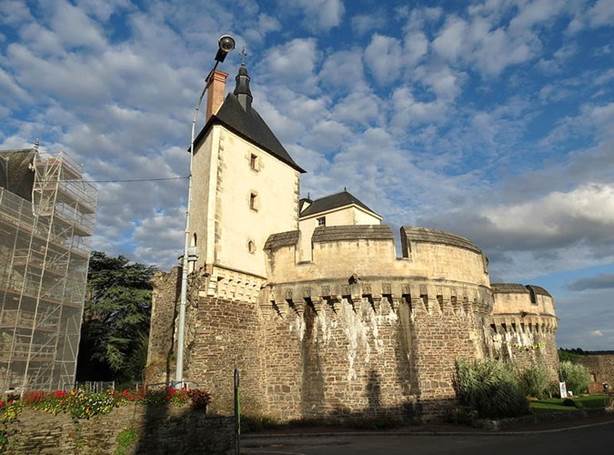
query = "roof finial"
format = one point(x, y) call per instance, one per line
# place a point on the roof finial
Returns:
point(345, 188)
point(242, 91)
point(243, 56)
point(36, 144)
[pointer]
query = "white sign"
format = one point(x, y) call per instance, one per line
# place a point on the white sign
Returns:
point(563, 389)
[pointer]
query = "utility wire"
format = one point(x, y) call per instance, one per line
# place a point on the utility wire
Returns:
point(145, 179)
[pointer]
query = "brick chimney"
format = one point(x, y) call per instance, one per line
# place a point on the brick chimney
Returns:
point(215, 94)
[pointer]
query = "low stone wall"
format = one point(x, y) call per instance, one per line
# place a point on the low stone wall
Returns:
point(143, 430)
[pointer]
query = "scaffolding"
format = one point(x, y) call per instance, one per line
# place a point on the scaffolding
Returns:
point(44, 259)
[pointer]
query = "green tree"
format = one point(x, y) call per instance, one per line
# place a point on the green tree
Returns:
point(576, 376)
point(116, 317)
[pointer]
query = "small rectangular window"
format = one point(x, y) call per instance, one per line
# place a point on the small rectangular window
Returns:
point(253, 203)
point(253, 162)
point(322, 221)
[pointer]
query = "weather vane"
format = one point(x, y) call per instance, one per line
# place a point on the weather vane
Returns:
point(243, 56)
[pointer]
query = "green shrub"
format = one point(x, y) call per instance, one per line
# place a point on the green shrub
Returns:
point(125, 441)
point(576, 377)
point(490, 387)
point(569, 402)
point(535, 382)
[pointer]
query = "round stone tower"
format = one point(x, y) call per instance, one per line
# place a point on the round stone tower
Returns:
point(523, 326)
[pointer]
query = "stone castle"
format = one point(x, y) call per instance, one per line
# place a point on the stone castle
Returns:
point(309, 299)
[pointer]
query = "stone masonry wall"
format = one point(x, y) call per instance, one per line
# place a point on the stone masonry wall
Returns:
point(600, 365)
point(227, 335)
point(338, 359)
point(526, 345)
point(444, 331)
point(158, 431)
point(160, 351)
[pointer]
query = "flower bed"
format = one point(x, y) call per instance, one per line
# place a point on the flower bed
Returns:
point(82, 404)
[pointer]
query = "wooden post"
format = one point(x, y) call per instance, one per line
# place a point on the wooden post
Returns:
point(237, 406)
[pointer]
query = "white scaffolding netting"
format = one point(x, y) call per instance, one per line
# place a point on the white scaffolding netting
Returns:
point(44, 259)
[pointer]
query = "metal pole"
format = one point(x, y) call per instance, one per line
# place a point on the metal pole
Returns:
point(237, 406)
point(186, 245)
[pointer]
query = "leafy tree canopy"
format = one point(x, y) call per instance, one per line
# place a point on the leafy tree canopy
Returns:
point(116, 316)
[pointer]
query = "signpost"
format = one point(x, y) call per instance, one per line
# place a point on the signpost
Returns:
point(563, 389)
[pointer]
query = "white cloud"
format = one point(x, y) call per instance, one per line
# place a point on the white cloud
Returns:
point(265, 25)
point(14, 12)
point(343, 70)
point(450, 42)
point(363, 23)
point(292, 64)
point(319, 14)
point(409, 112)
point(74, 27)
point(383, 56)
point(602, 13)
point(597, 333)
point(103, 9)
point(360, 107)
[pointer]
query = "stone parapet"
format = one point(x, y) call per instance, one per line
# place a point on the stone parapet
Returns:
point(419, 234)
point(323, 234)
point(369, 251)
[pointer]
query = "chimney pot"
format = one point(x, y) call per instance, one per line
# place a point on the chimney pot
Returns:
point(215, 94)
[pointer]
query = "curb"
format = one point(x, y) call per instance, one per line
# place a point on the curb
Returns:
point(422, 433)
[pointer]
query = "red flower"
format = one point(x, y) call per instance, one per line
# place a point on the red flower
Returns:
point(1, 404)
point(59, 394)
point(34, 396)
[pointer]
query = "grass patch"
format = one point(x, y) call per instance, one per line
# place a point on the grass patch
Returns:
point(559, 405)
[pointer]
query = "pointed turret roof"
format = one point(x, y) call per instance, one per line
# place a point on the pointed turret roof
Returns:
point(238, 115)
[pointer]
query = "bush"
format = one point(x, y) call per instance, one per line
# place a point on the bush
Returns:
point(490, 388)
point(569, 402)
point(576, 377)
point(535, 382)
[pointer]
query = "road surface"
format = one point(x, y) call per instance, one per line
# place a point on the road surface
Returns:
point(597, 439)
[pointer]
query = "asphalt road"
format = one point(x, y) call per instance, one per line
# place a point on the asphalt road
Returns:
point(585, 441)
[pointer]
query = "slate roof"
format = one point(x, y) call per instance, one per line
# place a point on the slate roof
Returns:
point(248, 124)
point(281, 239)
point(332, 202)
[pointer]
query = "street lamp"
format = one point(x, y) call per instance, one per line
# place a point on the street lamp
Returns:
point(226, 43)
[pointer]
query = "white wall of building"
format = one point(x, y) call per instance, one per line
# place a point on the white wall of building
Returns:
point(222, 218)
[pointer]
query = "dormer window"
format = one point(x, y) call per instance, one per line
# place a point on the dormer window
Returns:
point(253, 162)
point(322, 221)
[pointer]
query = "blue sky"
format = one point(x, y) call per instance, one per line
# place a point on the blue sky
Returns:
point(493, 119)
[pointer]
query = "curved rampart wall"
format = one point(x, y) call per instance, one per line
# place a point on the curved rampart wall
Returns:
point(364, 332)
point(523, 326)
point(369, 250)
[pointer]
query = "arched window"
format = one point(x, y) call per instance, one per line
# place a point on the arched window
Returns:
point(251, 246)
point(194, 240)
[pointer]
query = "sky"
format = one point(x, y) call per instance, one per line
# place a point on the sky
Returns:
point(492, 119)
